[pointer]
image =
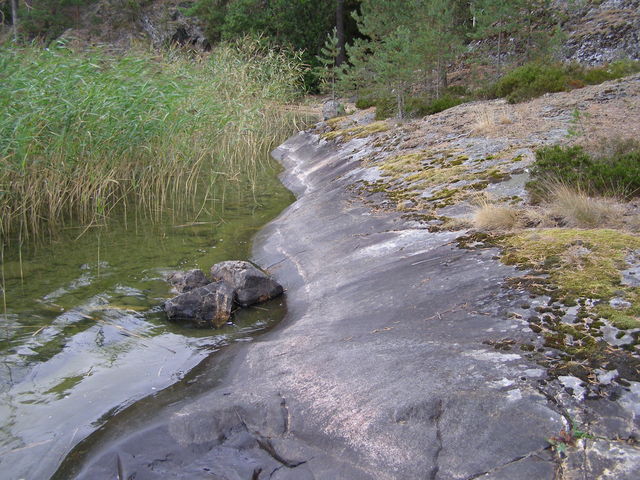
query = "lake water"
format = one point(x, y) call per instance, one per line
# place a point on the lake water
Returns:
point(83, 335)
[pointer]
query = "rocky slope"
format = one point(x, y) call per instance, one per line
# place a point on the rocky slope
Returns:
point(602, 32)
point(410, 350)
point(121, 24)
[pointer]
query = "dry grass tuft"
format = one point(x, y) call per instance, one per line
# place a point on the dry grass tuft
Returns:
point(457, 223)
point(497, 217)
point(490, 120)
point(576, 209)
point(566, 208)
point(536, 217)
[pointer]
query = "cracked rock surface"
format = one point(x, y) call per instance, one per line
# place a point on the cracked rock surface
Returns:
point(384, 368)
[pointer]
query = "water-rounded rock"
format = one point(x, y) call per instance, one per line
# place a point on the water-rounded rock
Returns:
point(251, 284)
point(208, 306)
point(187, 281)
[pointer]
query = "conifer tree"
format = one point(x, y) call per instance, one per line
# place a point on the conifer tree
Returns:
point(340, 33)
point(528, 23)
point(496, 18)
point(388, 51)
point(405, 41)
point(328, 58)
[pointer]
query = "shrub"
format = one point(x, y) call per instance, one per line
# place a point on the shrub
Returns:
point(457, 90)
point(420, 109)
point(364, 102)
point(617, 69)
point(534, 79)
point(617, 175)
point(530, 81)
point(416, 106)
point(385, 108)
point(385, 105)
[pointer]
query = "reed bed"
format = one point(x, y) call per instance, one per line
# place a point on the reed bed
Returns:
point(84, 133)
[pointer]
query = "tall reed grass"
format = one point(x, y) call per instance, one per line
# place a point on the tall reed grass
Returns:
point(81, 133)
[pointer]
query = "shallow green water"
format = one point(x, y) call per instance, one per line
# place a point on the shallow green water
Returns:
point(83, 335)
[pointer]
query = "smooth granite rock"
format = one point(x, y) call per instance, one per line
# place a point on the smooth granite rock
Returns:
point(382, 369)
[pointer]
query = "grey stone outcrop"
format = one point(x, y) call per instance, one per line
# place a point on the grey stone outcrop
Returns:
point(331, 109)
point(398, 359)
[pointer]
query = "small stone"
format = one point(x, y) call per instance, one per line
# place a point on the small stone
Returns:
point(407, 204)
point(619, 303)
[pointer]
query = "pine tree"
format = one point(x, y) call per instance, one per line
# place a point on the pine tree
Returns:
point(526, 22)
point(340, 33)
point(405, 41)
point(495, 18)
point(328, 58)
point(439, 36)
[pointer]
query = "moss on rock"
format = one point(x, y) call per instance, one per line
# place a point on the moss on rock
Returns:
point(359, 131)
point(582, 263)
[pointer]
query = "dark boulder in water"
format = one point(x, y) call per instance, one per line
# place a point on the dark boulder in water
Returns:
point(251, 285)
point(208, 306)
point(187, 281)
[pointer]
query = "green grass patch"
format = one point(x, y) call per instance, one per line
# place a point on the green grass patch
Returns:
point(627, 318)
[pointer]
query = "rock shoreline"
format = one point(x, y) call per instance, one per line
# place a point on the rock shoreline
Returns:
point(391, 363)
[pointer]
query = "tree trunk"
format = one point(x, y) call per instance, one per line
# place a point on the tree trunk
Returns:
point(333, 84)
point(400, 103)
point(443, 81)
point(342, 57)
point(14, 19)
point(530, 14)
point(500, 52)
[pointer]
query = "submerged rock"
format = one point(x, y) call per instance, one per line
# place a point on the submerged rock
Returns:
point(187, 281)
point(250, 284)
point(208, 306)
